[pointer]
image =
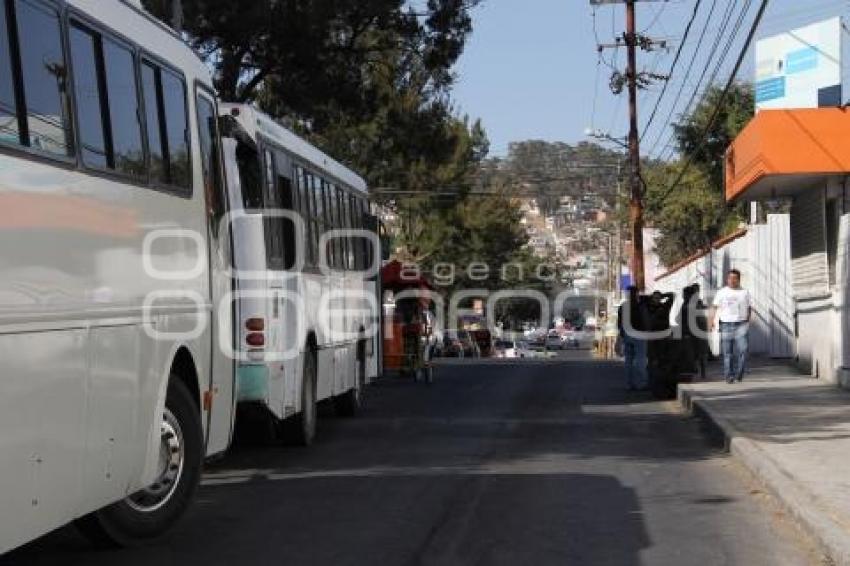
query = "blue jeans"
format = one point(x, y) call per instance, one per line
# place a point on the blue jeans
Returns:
point(734, 344)
point(635, 354)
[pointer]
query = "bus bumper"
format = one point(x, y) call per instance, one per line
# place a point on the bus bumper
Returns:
point(252, 383)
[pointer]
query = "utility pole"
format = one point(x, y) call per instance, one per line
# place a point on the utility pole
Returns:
point(634, 80)
point(635, 183)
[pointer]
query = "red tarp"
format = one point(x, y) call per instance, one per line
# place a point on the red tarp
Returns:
point(395, 277)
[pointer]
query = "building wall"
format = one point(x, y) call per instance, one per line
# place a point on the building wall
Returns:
point(764, 259)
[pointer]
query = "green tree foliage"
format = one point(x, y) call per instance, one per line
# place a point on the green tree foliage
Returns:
point(689, 219)
point(550, 170)
point(370, 82)
point(707, 150)
point(695, 213)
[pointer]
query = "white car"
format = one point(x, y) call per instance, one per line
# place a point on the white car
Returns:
point(554, 341)
point(505, 349)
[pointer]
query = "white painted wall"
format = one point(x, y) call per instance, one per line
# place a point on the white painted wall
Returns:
point(764, 259)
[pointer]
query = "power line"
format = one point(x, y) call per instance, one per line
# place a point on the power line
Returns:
point(723, 97)
point(672, 68)
point(687, 74)
point(692, 103)
point(727, 17)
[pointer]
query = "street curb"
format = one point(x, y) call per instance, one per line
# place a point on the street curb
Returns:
point(799, 503)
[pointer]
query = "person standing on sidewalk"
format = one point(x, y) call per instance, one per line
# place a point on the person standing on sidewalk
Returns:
point(629, 324)
point(732, 310)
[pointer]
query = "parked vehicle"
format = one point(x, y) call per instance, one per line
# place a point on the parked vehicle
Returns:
point(292, 359)
point(571, 340)
point(526, 350)
point(505, 349)
point(554, 341)
point(114, 389)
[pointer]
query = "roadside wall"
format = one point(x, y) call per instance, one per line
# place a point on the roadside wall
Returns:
point(764, 259)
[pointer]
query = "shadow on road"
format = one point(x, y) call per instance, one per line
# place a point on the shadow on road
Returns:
point(489, 465)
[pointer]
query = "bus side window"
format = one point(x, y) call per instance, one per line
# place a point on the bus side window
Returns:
point(287, 203)
point(304, 211)
point(321, 218)
point(166, 116)
point(273, 223)
point(107, 103)
point(33, 100)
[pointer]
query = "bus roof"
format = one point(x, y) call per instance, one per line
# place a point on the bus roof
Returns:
point(255, 122)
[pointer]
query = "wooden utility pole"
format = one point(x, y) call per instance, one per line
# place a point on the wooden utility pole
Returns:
point(635, 183)
point(633, 79)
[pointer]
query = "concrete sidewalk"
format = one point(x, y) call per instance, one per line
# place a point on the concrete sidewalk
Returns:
point(793, 434)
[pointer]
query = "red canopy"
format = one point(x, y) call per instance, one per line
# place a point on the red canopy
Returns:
point(396, 276)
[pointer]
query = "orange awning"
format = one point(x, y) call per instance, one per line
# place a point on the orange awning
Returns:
point(781, 152)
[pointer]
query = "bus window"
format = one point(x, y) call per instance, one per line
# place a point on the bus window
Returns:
point(304, 210)
point(166, 116)
point(9, 127)
point(156, 135)
point(287, 203)
point(248, 161)
point(90, 119)
point(273, 224)
point(176, 127)
point(42, 75)
point(107, 103)
point(320, 213)
point(122, 93)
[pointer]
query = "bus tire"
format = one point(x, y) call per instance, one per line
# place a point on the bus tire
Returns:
point(302, 427)
point(149, 513)
point(349, 403)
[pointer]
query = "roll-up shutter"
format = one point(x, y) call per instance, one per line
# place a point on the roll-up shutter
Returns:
point(808, 244)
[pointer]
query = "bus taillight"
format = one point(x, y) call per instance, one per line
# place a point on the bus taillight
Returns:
point(255, 324)
point(256, 339)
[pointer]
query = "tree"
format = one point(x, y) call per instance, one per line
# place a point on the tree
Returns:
point(694, 214)
point(316, 50)
point(707, 151)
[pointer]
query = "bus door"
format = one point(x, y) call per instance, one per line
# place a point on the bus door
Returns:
point(221, 396)
point(283, 285)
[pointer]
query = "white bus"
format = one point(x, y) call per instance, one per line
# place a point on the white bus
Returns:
point(111, 388)
point(306, 297)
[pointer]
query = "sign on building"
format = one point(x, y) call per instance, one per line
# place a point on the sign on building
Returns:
point(800, 68)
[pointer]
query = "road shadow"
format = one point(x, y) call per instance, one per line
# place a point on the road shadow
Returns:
point(472, 469)
point(443, 518)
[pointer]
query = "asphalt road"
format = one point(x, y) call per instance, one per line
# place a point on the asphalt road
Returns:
point(495, 463)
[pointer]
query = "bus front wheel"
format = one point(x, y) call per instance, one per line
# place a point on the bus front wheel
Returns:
point(150, 512)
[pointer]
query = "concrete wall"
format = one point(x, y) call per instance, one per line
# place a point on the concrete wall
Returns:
point(764, 259)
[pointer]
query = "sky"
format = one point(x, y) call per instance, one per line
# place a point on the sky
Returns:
point(531, 68)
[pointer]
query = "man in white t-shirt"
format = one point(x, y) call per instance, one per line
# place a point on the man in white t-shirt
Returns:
point(732, 310)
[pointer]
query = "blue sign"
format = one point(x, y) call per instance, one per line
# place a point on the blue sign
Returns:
point(801, 61)
point(770, 89)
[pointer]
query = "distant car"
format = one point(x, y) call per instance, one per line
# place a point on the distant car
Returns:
point(505, 349)
point(554, 341)
point(571, 340)
point(524, 350)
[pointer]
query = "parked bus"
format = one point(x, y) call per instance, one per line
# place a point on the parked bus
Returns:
point(306, 259)
point(112, 255)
